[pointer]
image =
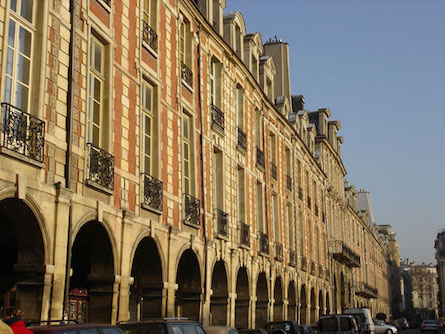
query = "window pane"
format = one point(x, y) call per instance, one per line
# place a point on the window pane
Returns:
point(96, 89)
point(9, 61)
point(185, 127)
point(147, 145)
point(186, 151)
point(25, 42)
point(21, 97)
point(147, 129)
point(7, 94)
point(147, 102)
point(96, 113)
point(147, 165)
point(26, 10)
point(23, 69)
point(97, 57)
point(11, 33)
point(96, 135)
point(14, 5)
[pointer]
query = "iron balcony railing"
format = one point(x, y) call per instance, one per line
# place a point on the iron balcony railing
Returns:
point(22, 133)
point(300, 193)
point(292, 258)
point(309, 205)
point(343, 254)
point(244, 234)
point(273, 171)
point(242, 139)
point(260, 157)
point(191, 210)
point(288, 183)
point(217, 118)
point(320, 271)
point(366, 291)
point(316, 210)
point(100, 167)
point(153, 192)
point(278, 252)
point(223, 223)
point(264, 243)
point(313, 268)
point(304, 263)
point(187, 74)
point(149, 36)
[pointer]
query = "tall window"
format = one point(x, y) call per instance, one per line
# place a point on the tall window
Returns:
point(258, 129)
point(96, 92)
point(18, 71)
point(299, 173)
point(317, 237)
point(241, 195)
point(187, 153)
point(259, 206)
point(148, 121)
point(290, 227)
point(310, 239)
point(149, 12)
point(218, 179)
point(215, 83)
point(301, 233)
point(276, 218)
point(272, 148)
point(240, 106)
point(185, 41)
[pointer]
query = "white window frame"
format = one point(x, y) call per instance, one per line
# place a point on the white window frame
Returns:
point(187, 158)
point(147, 113)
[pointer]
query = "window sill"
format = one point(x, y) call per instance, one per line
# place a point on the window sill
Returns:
point(186, 85)
point(15, 155)
point(241, 149)
point(98, 187)
point(221, 236)
point(196, 226)
point(149, 208)
point(218, 129)
point(105, 5)
point(150, 49)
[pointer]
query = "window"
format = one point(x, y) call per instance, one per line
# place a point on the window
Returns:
point(218, 179)
point(149, 16)
point(269, 89)
point(241, 195)
point(185, 41)
point(215, 83)
point(187, 154)
point(258, 128)
point(96, 93)
point(149, 128)
point(240, 106)
point(20, 31)
point(310, 240)
point(238, 41)
point(259, 206)
point(276, 218)
point(216, 15)
point(272, 148)
point(301, 231)
point(291, 227)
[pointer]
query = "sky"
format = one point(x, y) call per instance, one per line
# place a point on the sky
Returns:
point(379, 65)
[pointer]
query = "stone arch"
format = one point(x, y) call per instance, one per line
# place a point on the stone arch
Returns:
point(292, 302)
point(188, 278)
point(23, 255)
point(242, 299)
point(146, 290)
point(220, 295)
point(262, 303)
point(328, 304)
point(278, 297)
point(313, 307)
point(303, 305)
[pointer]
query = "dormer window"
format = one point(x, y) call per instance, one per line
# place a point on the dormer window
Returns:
point(269, 91)
point(238, 41)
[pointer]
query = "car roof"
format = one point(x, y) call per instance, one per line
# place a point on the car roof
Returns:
point(156, 321)
point(64, 327)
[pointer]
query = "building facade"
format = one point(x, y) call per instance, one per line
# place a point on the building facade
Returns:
point(439, 245)
point(154, 163)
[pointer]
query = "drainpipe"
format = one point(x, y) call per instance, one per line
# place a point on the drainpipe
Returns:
point(69, 139)
point(201, 153)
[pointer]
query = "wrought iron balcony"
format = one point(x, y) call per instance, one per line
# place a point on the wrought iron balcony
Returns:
point(242, 139)
point(309, 205)
point(278, 252)
point(217, 118)
point(21, 133)
point(344, 254)
point(304, 263)
point(300, 193)
point(260, 158)
point(191, 210)
point(292, 258)
point(313, 268)
point(244, 234)
point(187, 74)
point(223, 223)
point(320, 271)
point(100, 167)
point(264, 243)
point(316, 210)
point(288, 183)
point(153, 192)
point(366, 291)
point(149, 36)
point(273, 171)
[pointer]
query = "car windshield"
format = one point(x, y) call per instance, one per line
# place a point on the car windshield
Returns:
point(143, 328)
point(328, 325)
point(429, 322)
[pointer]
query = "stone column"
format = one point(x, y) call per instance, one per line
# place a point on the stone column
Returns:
point(46, 295)
point(252, 308)
point(171, 293)
point(231, 309)
point(285, 308)
point(115, 298)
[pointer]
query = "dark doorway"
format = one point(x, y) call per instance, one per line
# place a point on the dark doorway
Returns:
point(218, 301)
point(292, 306)
point(146, 291)
point(328, 304)
point(342, 292)
point(320, 304)
point(242, 299)
point(313, 306)
point(188, 295)
point(278, 296)
point(303, 307)
point(22, 259)
point(262, 295)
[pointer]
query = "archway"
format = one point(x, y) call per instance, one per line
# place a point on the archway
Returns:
point(328, 304)
point(292, 302)
point(188, 278)
point(146, 291)
point(91, 286)
point(335, 301)
point(313, 307)
point(320, 304)
point(303, 306)
point(22, 259)
point(342, 292)
point(218, 301)
point(262, 295)
point(242, 299)
point(278, 296)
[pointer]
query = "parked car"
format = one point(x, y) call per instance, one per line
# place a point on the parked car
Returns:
point(220, 330)
point(289, 327)
point(161, 326)
point(403, 323)
point(70, 327)
point(366, 323)
point(429, 325)
point(252, 331)
point(307, 329)
point(395, 324)
point(382, 328)
point(338, 324)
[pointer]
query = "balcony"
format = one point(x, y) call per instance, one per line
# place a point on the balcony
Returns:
point(22, 135)
point(191, 211)
point(304, 263)
point(344, 254)
point(100, 168)
point(320, 271)
point(187, 75)
point(316, 210)
point(366, 291)
point(222, 223)
point(313, 268)
point(260, 158)
point(153, 192)
point(264, 243)
point(217, 118)
point(292, 258)
point(278, 252)
point(273, 171)
point(288, 183)
point(244, 234)
point(242, 140)
point(309, 205)
point(300, 193)
point(149, 36)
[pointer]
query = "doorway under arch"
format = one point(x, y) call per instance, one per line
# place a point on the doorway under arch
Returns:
point(219, 298)
point(242, 299)
point(262, 295)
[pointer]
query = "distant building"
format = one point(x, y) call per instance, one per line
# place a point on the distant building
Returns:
point(439, 245)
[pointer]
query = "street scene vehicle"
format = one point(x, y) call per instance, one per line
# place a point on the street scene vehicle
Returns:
point(403, 323)
point(289, 327)
point(429, 325)
point(74, 328)
point(220, 330)
point(252, 331)
point(338, 324)
point(162, 326)
point(382, 328)
point(366, 324)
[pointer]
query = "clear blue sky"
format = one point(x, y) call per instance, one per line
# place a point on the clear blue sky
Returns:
point(379, 65)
